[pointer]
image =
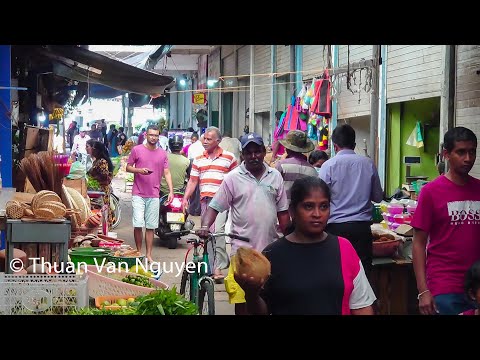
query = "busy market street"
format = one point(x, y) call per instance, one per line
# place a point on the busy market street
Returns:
point(239, 180)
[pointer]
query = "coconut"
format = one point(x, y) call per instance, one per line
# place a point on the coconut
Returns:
point(252, 263)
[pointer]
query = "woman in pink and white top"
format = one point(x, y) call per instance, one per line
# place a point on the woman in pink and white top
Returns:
point(312, 272)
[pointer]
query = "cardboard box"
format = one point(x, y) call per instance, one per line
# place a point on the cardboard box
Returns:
point(78, 184)
point(405, 230)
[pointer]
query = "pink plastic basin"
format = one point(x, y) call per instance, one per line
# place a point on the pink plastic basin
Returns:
point(395, 209)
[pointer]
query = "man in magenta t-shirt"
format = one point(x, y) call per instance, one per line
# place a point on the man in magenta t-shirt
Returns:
point(149, 164)
point(446, 240)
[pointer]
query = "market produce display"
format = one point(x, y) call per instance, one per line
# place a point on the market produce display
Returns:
point(158, 302)
point(139, 280)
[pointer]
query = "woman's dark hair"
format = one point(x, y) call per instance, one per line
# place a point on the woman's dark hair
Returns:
point(472, 279)
point(344, 136)
point(301, 188)
point(458, 133)
point(316, 156)
point(194, 135)
point(99, 151)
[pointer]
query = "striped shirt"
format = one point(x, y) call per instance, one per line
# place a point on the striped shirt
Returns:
point(293, 168)
point(211, 172)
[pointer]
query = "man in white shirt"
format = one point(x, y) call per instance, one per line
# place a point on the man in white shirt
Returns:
point(80, 142)
point(194, 151)
point(163, 140)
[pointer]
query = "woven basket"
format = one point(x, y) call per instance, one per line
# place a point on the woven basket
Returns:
point(58, 208)
point(101, 285)
point(77, 201)
point(385, 248)
point(14, 210)
point(44, 196)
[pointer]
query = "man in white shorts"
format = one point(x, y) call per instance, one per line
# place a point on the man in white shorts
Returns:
point(149, 164)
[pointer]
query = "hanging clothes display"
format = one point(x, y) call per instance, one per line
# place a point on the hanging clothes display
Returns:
point(309, 111)
point(291, 117)
point(322, 103)
point(323, 135)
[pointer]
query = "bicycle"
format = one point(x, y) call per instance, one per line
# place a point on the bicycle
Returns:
point(197, 285)
point(96, 200)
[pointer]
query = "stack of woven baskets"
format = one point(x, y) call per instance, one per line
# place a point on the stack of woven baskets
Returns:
point(45, 205)
point(81, 208)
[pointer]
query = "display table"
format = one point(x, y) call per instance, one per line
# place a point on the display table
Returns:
point(19, 232)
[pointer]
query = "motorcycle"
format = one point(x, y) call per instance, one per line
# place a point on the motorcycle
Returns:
point(172, 219)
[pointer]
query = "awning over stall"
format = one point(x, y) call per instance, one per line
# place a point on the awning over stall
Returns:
point(80, 64)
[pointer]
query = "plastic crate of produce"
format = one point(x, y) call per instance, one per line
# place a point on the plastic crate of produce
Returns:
point(102, 283)
point(100, 301)
point(42, 294)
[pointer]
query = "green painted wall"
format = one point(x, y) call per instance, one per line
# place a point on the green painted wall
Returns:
point(402, 118)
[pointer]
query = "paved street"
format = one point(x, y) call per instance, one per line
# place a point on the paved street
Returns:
point(161, 253)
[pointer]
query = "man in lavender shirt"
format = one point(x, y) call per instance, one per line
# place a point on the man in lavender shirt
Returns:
point(354, 183)
point(151, 163)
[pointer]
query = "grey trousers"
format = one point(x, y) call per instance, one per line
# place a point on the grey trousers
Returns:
point(194, 208)
point(218, 259)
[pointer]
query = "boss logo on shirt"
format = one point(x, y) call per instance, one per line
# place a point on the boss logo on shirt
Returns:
point(464, 211)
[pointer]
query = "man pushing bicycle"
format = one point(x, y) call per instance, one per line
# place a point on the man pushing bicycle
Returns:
point(256, 197)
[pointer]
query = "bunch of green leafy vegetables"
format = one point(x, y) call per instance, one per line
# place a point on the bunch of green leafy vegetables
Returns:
point(92, 184)
point(94, 311)
point(165, 302)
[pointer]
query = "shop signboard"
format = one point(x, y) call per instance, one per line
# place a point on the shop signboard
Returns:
point(199, 98)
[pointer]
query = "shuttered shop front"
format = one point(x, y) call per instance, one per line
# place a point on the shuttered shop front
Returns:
point(262, 65)
point(358, 103)
point(414, 72)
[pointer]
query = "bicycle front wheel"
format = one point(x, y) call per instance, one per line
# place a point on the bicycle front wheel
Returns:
point(115, 205)
point(206, 298)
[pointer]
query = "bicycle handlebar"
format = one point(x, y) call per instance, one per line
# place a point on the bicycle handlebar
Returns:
point(186, 232)
point(233, 236)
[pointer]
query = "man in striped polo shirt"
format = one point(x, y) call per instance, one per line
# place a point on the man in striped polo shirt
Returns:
point(209, 170)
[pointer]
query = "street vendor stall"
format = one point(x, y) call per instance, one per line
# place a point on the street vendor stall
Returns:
point(392, 277)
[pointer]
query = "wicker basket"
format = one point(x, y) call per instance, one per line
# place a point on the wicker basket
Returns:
point(385, 248)
point(101, 285)
point(14, 210)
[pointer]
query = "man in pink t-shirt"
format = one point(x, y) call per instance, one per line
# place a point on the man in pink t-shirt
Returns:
point(149, 164)
point(446, 226)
